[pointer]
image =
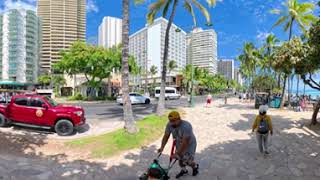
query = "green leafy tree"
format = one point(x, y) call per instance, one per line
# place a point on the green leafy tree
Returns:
point(285, 57)
point(96, 63)
point(153, 71)
point(172, 65)
point(58, 81)
point(295, 12)
point(248, 61)
point(163, 6)
point(44, 80)
point(269, 45)
point(309, 64)
point(263, 83)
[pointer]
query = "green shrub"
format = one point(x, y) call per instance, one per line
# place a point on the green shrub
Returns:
point(76, 97)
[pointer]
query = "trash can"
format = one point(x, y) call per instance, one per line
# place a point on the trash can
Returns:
point(277, 102)
point(272, 103)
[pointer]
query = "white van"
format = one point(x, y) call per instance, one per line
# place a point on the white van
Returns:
point(170, 93)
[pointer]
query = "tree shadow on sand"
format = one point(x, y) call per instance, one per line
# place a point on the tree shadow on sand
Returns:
point(293, 153)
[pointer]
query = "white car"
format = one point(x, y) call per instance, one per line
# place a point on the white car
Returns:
point(135, 98)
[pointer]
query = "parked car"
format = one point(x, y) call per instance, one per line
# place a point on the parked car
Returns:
point(170, 93)
point(135, 98)
point(41, 112)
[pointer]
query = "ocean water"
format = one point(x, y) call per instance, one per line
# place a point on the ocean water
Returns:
point(313, 93)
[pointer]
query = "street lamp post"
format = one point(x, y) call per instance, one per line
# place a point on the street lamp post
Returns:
point(191, 102)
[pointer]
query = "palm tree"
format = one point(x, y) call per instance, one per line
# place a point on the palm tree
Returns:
point(153, 71)
point(127, 108)
point(164, 5)
point(248, 60)
point(172, 65)
point(269, 46)
point(301, 13)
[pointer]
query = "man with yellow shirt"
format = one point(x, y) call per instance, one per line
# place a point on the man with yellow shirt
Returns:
point(263, 125)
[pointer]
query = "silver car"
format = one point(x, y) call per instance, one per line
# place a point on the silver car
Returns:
point(135, 98)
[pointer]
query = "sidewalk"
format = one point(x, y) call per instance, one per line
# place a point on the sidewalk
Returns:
point(226, 151)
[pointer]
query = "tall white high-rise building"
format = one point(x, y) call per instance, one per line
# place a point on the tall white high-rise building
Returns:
point(202, 49)
point(226, 68)
point(20, 45)
point(147, 46)
point(238, 76)
point(110, 31)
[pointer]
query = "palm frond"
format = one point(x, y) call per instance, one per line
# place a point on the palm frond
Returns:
point(275, 11)
point(287, 26)
point(280, 21)
point(139, 1)
point(311, 18)
point(203, 10)
point(166, 8)
point(187, 5)
point(306, 7)
point(211, 3)
point(154, 8)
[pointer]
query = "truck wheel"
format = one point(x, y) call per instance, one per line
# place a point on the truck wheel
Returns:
point(147, 101)
point(64, 127)
point(3, 121)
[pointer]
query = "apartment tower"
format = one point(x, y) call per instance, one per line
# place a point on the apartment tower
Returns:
point(202, 49)
point(110, 32)
point(147, 46)
point(226, 68)
point(20, 38)
point(63, 22)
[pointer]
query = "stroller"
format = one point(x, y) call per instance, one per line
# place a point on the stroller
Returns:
point(156, 171)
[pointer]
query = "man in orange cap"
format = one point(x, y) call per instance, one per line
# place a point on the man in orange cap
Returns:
point(186, 143)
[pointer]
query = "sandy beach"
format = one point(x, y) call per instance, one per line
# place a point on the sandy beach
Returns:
point(226, 150)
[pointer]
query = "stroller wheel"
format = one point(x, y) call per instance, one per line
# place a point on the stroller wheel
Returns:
point(166, 177)
point(143, 177)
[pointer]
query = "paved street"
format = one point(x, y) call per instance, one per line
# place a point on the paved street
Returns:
point(114, 111)
point(104, 117)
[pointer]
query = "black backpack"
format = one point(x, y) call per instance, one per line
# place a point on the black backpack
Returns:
point(263, 127)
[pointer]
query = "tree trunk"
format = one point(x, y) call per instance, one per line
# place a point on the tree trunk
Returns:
point(127, 108)
point(289, 94)
point(315, 113)
point(283, 92)
point(161, 103)
point(109, 87)
point(298, 81)
point(290, 31)
point(279, 80)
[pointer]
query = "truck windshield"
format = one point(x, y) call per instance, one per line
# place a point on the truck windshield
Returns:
point(51, 102)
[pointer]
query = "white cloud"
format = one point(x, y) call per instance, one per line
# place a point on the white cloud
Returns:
point(92, 6)
point(18, 4)
point(262, 35)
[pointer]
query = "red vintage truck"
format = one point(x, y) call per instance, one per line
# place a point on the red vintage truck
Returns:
point(41, 112)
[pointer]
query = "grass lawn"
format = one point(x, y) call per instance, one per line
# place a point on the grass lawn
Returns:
point(151, 128)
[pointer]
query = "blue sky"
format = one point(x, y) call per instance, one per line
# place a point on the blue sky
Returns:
point(235, 21)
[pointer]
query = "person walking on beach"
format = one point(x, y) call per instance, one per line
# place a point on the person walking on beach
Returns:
point(263, 126)
point(186, 143)
point(209, 100)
